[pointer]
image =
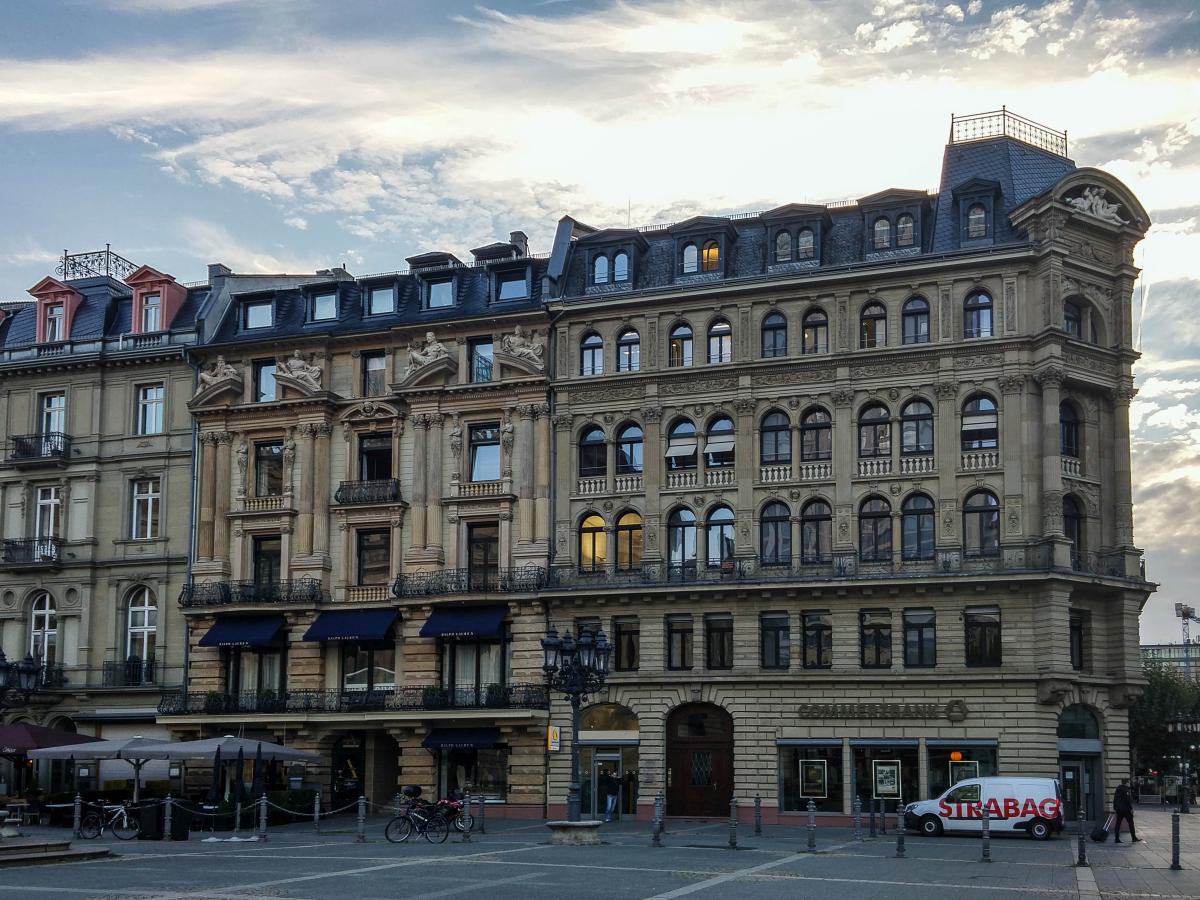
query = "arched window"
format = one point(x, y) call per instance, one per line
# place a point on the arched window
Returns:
point(1078, 722)
point(710, 257)
point(977, 316)
point(681, 446)
point(1073, 529)
point(805, 246)
point(593, 454)
point(1072, 319)
point(905, 232)
point(629, 351)
point(874, 432)
point(873, 326)
point(783, 247)
point(593, 544)
point(916, 321)
point(679, 351)
point(719, 449)
point(1068, 430)
point(719, 536)
point(976, 221)
point(916, 528)
point(774, 336)
point(142, 631)
point(815, 336)
point(681, 539)
point(630, 445)
point(629, 541)
point(916, 428)
point(600, 270)
point(816, 533)
point(816, 436)
point(882, 232)
point(720, 341)
point(43, 629)
point(621, 266)
point(591, 355)
point(981, 524)
point(875, 530)
point(775, 535)
point(980, 424)
point(775, 439)
point(691, 259)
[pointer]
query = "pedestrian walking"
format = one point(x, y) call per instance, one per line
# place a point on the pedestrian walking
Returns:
point(1123, 807)
point(612, 790)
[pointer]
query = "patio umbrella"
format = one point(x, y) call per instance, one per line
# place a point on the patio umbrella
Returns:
point(256, 786)
point(239, 785)
point(214, 793)
point(229, 746)
point(137, 751)
point(21, 737)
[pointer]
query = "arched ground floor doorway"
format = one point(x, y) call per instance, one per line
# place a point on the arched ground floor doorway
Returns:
point(699, 760)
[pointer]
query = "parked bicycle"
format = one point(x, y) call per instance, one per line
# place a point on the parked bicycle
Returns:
point(116, 817)
point(454, 813)
point(423, 819)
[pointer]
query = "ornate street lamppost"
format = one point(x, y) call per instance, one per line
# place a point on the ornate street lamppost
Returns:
point(575, 668)
point(1185, 727)
point(17, 680)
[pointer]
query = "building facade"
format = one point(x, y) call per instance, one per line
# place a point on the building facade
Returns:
point(1185, 658)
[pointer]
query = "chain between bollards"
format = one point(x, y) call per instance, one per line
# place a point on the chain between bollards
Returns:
point(77, 816)
point(361, 837)
point(733, 814)
point(874, 802)
point(262, 817)
point(899, 828)
point(858, 832)
point(987, 836)
point(317, 812)
point(1082, 860)
point(1175, 865)
point(757, 814)
point(812, 827)
point(167, 819)
point(467, 820)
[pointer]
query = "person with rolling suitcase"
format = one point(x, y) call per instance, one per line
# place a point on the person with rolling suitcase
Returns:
point(1100, 832)
point(1123, 810)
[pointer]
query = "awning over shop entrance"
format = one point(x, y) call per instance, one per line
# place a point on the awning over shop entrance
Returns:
point(243, 631)
point(453, 738)
point(465, 622)
point(352, 625)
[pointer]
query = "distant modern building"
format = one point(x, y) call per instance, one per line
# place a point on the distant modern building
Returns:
point(1184, 657)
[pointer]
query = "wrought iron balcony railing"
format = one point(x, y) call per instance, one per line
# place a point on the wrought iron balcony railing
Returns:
point(385, 490)
point(48, 446)
point(131, 672)
point(224, 593)
point(470, 581)
point(31, 552)
point(401, 699)
point(1111, 565)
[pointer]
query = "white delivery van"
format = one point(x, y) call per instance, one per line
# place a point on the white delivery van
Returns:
point(1013, 803)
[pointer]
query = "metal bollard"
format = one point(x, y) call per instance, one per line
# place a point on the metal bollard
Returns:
point(987, 836)
point(1082, 859)
point(883, 816)
point(655, 828)
point(317, 812)
point(858, 832)
point(262, 817)
point(757, 814)
point(167, 819)
point(482, 814)
point(361, 837)
point(237, 816)
point(871, 814)
point(1175, 866)
point(899, 829)
point(77, 816)
point(467, 823)
point(733, 813)
point(396, 805)
point(660, 801)
point(812, 827)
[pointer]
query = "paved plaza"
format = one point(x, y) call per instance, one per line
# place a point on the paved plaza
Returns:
point(512, 860)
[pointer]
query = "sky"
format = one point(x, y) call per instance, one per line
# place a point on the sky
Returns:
point(289, 135)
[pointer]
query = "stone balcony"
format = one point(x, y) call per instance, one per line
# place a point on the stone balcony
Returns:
point(1072, 467)
point(979, 460)
point(873, 467)
point(918, 465)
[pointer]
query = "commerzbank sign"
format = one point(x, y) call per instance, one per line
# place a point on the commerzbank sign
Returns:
point(954, 710)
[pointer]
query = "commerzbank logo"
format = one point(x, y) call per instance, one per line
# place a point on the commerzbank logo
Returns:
point(953, 710)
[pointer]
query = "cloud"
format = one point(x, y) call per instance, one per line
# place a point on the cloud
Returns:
point(212, 242)
point(298, 222)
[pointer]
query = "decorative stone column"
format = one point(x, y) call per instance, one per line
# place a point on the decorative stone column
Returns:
point(525, 453)
point(745, 470)
point(208, 494)
point(308, 480)
point(948, 444)
point(541, 474)
point(1051, 380)
point(845, 467)
point(420, 428)
point(320, 490)
point(433, 483)
point(1122, 488)
point(221, 512)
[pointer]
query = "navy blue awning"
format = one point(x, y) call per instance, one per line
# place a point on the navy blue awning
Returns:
point(465, 622)
point(352, 625)
point(243, 631)
point(452, 738)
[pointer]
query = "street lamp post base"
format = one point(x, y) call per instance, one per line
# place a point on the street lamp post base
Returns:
point(575, 834)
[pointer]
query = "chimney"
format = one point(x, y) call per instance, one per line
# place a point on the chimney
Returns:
point(520, 241)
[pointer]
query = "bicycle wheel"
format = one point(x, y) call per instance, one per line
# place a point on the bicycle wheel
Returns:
point(463, 822)
point(124, 826)
point(90, 827)
point(399, 830)
point(437, 830)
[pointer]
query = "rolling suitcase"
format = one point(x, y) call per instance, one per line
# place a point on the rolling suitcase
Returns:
point(1100, 832)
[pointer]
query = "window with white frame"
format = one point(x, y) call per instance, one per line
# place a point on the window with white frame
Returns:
point(55, 323)
point(43, 629)
point(150, 409)
point(53, 417)
point(147, 498)
point(142, 632)
point(151, 312)
point(48, 514)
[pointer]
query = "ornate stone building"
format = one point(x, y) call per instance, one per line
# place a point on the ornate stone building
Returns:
point(95, 492)
point(848, 488)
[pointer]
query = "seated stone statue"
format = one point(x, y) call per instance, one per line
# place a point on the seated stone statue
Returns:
point(296, 367)
point(219, 371)
point(432, 351)
point(519, 346)
point(1093, 203)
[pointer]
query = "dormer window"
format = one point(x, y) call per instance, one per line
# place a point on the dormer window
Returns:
point(977, 221)
point(783, 247)
point(904, 231)
point(260, 314)
point(381, 300)
point(621, 266)
point(152, 312)
point(324, 307)
point(55, 320)
point(805, 245)
point(440, 294)
point(882, 234)
point(691, 259)
point(600, 270)
point(710, 257)
point(512, 286)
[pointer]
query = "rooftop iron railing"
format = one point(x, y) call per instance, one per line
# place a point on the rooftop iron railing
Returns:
point(1002, 123)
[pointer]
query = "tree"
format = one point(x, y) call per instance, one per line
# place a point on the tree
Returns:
point(1168, 693)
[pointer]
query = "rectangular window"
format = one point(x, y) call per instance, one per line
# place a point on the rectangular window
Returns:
point(381, 300)
point(150, 409)
point(374, 556)
point(53, 413)
point(147, 498)
point(1076, 638)
point(439, 294)
point(368, 666)
point(483, 555)
point(679, 642)
point(55, 323)
point(48, 519)
point(776, 640)
point(267, 555)
point(920, 638)
point(374, 373)
point(875, 630)
point(482, 772)
point(718, 641)
point(151, 312)
point(268, 469)
point(260, 314)
point(818, 640)
point(982, 626)
point(324, 306)
point(485, 452)
point(511, 286)
point(482, 366)
point(264, 381)
point(375, 457)
point(627, 643)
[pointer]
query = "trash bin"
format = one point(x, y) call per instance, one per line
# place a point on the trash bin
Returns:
point(150, 820)
point(181, 822)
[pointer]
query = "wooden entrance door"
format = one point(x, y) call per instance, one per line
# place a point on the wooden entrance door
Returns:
point(699, 761)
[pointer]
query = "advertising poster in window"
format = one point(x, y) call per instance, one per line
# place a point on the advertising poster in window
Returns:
point(814, 779)
point(966, 768)
point(887, 778)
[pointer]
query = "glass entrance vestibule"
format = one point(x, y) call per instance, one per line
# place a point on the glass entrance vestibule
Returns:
point(608, 760)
